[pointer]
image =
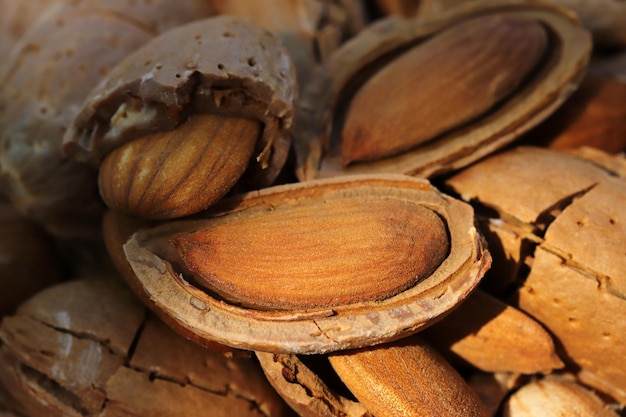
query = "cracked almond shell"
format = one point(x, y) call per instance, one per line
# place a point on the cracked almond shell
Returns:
point(561, 217)
point(222, 65)
point(317, 141)
point(89, 348)
point(319, 213)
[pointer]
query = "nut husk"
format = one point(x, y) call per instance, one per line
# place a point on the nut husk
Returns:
point(174, 293)
point(558, 74)
point(88, 348)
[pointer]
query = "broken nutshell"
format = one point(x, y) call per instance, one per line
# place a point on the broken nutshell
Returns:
point(406, 377)
point(89, 348)
point(291, 266)
point(555, 226)
point(535, 57)
point(178, 122)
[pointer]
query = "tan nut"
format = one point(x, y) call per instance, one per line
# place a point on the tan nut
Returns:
point(444, 82)
point(513, 94)
point(312, 267)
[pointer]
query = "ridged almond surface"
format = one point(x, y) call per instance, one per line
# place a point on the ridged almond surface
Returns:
point(406, 379)
point(319, 254)
point(343, 245)
point(180, 172)
point(440, 84)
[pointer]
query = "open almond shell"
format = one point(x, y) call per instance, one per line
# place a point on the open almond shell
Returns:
point(203, 316)
point(317, 140)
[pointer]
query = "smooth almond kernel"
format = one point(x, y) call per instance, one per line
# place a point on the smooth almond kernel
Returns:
point(180, 172)
point(325, 253)
point(441, 84)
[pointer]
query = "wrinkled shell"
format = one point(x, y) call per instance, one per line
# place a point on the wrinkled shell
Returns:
point(246, 74)
point(553, 82)
point(197, 314)
point(566, 215)
point(88, 348)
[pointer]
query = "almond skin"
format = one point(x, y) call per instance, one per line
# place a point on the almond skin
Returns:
point(407, 378)
point(440, 84)
point(180, 172)
point(333, 252)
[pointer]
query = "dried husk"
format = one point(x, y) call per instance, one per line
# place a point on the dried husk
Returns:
point(204, 316)
point(316, 141)
point(567, 214)
point(88, 348)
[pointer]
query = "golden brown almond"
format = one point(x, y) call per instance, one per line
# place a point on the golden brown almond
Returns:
point(179, 172)
point(440, 84)
point(495, 337)
point(356, 232)
point(406, 378)
point(331, 252)
point(459, 141)
point(555, 398)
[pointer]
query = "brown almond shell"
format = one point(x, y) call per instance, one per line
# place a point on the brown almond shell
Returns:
point(89, 348)
point(316, 142)
point(201, 316)
point(221, 65)
point(567, 214)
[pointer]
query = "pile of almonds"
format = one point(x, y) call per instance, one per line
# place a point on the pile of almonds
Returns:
point(310, 208)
